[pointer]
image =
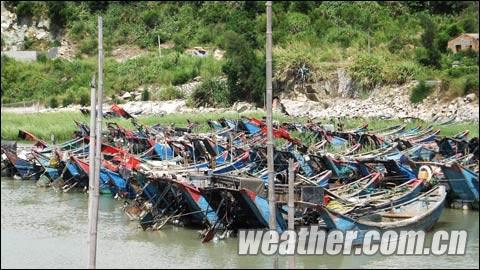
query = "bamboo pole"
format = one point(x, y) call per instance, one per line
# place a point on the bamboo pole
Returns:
point(91, 179)
point(291, 207)
point(94, 187)
point(271, 188)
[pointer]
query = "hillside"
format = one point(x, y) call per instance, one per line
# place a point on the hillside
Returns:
point(373, 44)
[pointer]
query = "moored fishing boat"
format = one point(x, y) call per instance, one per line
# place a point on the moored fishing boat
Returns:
point(418, 214)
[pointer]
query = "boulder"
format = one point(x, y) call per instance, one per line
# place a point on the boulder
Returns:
point(44, 23)
point(345, 84)
point(127, 95)
point(470, 97)
point(242, 107)
point(218, 54)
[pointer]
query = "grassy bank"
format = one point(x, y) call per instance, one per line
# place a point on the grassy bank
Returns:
point(61, 124)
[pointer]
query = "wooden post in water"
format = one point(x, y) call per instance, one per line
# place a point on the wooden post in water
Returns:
point(91, 179)
point(271, 184)
point(95, 180)
point(291, 207)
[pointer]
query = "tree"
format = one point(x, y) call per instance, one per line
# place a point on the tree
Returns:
point(244, 69)
point(58, 14)
point(95, 6)
point(432, 55)
point(145, 95)
point(302, 6)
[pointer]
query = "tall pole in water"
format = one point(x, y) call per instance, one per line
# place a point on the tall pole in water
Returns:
point(94, 187)
point(271, 188)
point(91, 178)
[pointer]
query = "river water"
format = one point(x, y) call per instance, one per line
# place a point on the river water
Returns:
point(45, 229)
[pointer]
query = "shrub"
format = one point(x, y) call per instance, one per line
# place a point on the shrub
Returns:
point(470, 25)
point(42, 57)
point(56, 43)
point(116, 100)
point(180, 42)
point(145, 95)
point(402, 72)
point(431, 55)
point(471, 84)
point(457, 72)
point(57, 12)
point(445, 85)
point(150, 18)
point(84, 99)
point(367, 70)
point(69, 99)
point(53, 102)
point(211, 92)
point(244, 69)
point(88, 46)
point(27, 43)
point(182, 76)
point(396, 44)
point(77, 29)
point(297, 22)
point(170, 92)
point(24, 9)
point(420, 92)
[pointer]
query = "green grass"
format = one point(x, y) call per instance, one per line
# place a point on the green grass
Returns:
point(62, 126)
point(70, 80)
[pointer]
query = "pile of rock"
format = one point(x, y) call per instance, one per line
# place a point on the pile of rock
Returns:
point(14, 33)
point(387, 102)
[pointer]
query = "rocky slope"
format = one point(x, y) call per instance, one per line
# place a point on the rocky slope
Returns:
point(387, 102)
point(15, 32)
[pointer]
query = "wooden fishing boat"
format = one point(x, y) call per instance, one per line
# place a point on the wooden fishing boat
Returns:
point(389, 148)
point(379, 198)
point(391, 131)
point(418, 214)
point(449, 120)
point(51, 166)
point(361, 186)
point(198, 205)
point(463, 183)
point(240, 203)
point(25, 169)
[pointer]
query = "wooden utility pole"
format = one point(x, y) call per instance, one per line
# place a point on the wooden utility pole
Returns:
point(95, 178)
point(291, 207)
point(271, 184)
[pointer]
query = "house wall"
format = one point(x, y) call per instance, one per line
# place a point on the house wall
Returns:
point(21, 55)
point(464, 42)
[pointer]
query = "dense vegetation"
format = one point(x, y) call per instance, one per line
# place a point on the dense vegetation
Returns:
point(379, 42)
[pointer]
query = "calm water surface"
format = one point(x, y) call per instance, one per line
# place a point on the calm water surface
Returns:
point(45, 229)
